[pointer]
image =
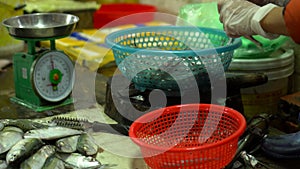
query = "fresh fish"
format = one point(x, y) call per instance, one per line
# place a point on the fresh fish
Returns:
point(12, 128)
point(38, 159)
point(3, 164)
point(25, 124)
point(9, 136)
point(1, 126)
point(54, 163)
point(76, 160)
point(84, 124)
point(67, 144)
point(23, 149)
point(70, 122)
point(86, 145)
point(51, 133)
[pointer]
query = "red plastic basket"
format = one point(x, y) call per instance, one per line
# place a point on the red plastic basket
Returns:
point(190, 136)
point(111, 12)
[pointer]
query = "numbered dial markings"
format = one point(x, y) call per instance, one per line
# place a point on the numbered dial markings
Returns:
point(53, 76)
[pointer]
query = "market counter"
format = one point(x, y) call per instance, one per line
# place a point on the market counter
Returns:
point(119, 152)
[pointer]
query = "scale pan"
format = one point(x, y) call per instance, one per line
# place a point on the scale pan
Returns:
point(41, 25)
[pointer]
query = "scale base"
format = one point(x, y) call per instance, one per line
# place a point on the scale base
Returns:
point(40, 108)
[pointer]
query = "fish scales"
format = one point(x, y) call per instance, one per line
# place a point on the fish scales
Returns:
point(38, 159)
point(54, 163)
point(86, 145)
point(77, 160)
point(67, 144)
point(23, 149)
point(51, 133)
point(3, 164)
point(1, 126)
point(24, 124)
point(9, 136)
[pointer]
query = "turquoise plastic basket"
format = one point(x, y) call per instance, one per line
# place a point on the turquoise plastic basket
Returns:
point(161, 57)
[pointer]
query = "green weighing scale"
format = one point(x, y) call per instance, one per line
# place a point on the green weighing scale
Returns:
point(43, 79)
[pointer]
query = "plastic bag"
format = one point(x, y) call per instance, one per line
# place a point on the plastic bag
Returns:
point(206, 14)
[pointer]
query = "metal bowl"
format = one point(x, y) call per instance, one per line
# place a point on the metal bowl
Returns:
point(41, 25)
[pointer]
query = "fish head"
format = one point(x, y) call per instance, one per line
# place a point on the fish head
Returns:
point(49, 150)
point(87, 162)
point(90, 149)
point(86, 148)
point(60, 144)
point(30, 134)
point(11, 157)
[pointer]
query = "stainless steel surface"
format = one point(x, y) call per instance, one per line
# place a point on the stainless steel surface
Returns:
point(41, 25)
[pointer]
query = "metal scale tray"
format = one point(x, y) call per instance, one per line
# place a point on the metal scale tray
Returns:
point(41, 25)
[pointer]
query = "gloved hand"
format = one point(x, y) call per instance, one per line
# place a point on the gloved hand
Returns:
point(242, 18)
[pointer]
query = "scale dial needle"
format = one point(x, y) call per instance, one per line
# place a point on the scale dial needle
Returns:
point(53, 76)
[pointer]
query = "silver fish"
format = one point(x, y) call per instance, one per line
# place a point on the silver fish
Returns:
point(25, 124)
point(51, 133)
point(38, 159)
point(3, 164)
point(1, 126)
point(86, 145)
point(76, 160)
point(9, 136)
point(54, 163)
point(67, 144)
point(23, 149)
point(12, 128)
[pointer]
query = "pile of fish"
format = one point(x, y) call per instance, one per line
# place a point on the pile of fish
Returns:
point(27, 144)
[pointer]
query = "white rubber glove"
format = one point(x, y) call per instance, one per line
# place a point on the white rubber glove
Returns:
point(242, 18)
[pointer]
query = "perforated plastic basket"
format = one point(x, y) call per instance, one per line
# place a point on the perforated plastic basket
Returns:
point(191, 136)
point(158, 57)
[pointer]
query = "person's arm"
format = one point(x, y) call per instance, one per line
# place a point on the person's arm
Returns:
point(274, 22)
point(244, 18)
point(291, 16)
point(265, 2)
point(284, 20)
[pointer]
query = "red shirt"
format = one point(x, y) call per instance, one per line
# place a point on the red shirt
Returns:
point(292, 19)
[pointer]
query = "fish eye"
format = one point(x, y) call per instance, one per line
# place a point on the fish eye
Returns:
point(61, 143)
point(85, 148)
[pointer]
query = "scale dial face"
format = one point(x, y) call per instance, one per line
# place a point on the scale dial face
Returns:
point(53, 76)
